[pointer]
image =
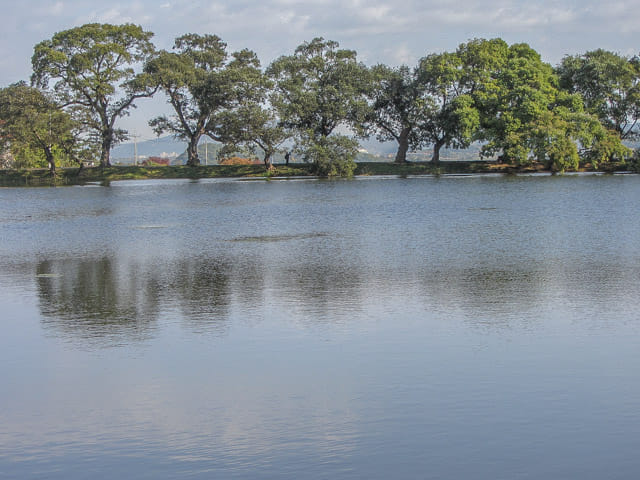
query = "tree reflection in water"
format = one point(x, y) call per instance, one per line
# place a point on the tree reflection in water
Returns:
point(113, 301)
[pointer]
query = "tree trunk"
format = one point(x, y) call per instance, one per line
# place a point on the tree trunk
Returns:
point(403, 146)
point(192, 152)
point(107, 142)
point(267, 162)
point(51, 161)
point(435, 159)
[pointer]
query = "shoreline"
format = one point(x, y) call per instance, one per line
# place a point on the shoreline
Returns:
point(74, 176)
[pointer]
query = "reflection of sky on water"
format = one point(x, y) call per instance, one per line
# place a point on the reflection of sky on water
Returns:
point(432, 327)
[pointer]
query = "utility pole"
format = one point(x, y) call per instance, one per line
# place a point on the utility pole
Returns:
point(206, 153)
point(135, 148)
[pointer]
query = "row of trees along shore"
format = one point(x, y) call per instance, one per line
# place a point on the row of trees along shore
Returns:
point(320, 99)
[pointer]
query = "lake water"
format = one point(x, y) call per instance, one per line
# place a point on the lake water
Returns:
point(452, 327)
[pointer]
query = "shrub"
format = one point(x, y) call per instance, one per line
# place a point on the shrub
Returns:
point(156, 162)
point(332, 156)
point(239, 161)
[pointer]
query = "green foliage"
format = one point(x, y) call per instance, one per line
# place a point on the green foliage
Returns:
point(35, 129)
point(604, 147)
point(255, 127)
point(481, 58)
point(25, 156)
point(433, 105)
point(397, 108)
point(184, 75)
point(320, 87)
point(92, 67)
point(317, 90)
point(332, 156)
point(525, 117)
point(504, 96)
point(521, 93)
point(610, 87)
point(252, 123)
point(203, 83)
point(552, 141)
point(457, 86)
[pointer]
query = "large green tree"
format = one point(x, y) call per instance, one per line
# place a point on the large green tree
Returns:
point(519, 94)
point(452, 118)
point(565, 136)
point(32, 123)
point(435, 104)
point(92, 68)
point(254, 126)
point(526, 117)
point(610, 87)
point(202, 82)
point(520, 89)
point(320, 90)
point(398, 107)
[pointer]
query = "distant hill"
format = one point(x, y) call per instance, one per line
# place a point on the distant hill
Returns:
point(210, 152)
point(375, 147)
point(169, 147)
point(157, 147)
point(175, 150)
point(377, 151)
point(207, 152)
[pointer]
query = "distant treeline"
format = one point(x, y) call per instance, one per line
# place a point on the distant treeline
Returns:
point(519, 108)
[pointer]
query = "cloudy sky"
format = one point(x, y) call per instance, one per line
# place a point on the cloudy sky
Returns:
point(391, 32)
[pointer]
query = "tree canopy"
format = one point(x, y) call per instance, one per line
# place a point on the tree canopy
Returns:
point(452, 117)
point(33, 125)
point(610, 87)
point(398, 108)
point(201, 81)
point(519, 108)
point(526, 116)
point(319, 89)
point(92, 68)
point(254, 126)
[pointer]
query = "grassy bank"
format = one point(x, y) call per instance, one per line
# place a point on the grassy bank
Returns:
point(74, 176)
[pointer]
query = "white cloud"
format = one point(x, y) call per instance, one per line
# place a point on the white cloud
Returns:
point(380, 12)
point(56, 9)
point(365, 25)
point(401, 55)
point(624, 17)
point(287, 17)
point(388, 31)
point(113, 15)
point(507, 15)
point(135, 12)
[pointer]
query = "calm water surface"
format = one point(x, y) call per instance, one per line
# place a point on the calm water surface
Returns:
point(454, 327)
